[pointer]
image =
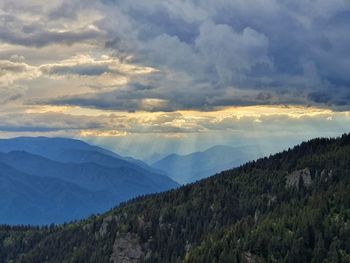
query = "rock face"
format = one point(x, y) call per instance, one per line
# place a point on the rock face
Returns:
point(126, 250)
point(104, 226)
point(326, 175)
point(251, 258)
point(295, 178)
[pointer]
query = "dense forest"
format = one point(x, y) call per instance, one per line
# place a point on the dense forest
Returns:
point(290, 207)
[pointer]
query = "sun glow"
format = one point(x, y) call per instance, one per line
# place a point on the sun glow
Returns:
point(96, 133)
point(178, 124)
point(239, 112)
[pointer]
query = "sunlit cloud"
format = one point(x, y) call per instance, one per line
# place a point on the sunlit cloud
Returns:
point(118, 123)
point(97, 73)
point(97, 133)
point(11, 71)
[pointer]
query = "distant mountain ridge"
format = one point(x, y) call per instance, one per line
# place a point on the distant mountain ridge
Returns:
point(100, 178)
point(198, 165)
point(53, 148)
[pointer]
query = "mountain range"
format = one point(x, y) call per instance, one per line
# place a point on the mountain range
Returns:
point(54, 180)
point(198, 165)
point(293, 206)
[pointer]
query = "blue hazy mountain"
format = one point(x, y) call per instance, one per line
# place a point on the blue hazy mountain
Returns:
point(195, 166)
point(86, 179)
point(27, 199)
point(64, 150)
point(50, 147)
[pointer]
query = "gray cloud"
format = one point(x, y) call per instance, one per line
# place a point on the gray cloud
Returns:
point(12, 71)
point(18, 25)
point(82, 69)
point(11, 95)
point(208, 53)
point(40, 38)
point(47, 122)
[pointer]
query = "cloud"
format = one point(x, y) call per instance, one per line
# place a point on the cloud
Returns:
point(210, 54)
point(83, 70)
point(151, 61)
point(86, 65)
point(47, 122)
point(11, 95)
point(230, 54)
point(42, 38)
point(242, 120)
point(11, 71)
point(31, 25)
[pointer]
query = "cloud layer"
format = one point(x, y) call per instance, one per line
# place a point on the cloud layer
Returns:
point(174, 69)
point(205, 54)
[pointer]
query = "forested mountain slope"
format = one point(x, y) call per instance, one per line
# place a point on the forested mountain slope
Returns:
point(291, 207)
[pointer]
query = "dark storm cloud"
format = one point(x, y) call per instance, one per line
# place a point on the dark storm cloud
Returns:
point(84, 70)
point(17, 28)
point(209, 53)
point(39, 38)
point(133, 98)
point(47, 122)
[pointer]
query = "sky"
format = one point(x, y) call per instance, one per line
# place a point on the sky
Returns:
point(145, 77)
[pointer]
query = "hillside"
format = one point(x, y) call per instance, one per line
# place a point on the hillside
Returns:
point(69, 180)
point(291, 207)
point(198, 165)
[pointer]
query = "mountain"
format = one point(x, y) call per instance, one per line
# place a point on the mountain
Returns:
point(26, 199)
point(67, 150)
point(122, 181)
point(153, 158)
point(52, 148)
point(195, 166)
point(291, 207)
point(96, 178)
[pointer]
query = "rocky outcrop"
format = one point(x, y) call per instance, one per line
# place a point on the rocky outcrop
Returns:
point(104, 226)
point(256, 216)
point(326, 175)
point(251, 258)
point(299, 177)
point(126, 250)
